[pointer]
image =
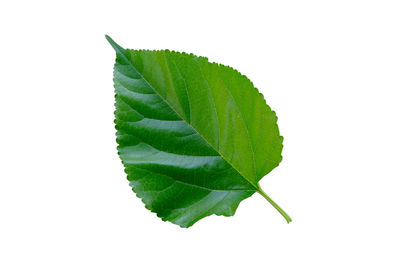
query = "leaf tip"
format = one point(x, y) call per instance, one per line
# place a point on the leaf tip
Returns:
point(108, 38)
point(118, 49)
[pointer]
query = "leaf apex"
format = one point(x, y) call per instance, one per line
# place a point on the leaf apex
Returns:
point(118, 49)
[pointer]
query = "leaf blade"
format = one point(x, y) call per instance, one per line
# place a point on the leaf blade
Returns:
point(167, 95)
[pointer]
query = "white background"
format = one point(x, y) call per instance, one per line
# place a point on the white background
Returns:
point(330, 69)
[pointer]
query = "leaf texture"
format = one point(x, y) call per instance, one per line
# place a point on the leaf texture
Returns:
point(195, 137)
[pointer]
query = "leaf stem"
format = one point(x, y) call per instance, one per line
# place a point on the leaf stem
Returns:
point(279, 209)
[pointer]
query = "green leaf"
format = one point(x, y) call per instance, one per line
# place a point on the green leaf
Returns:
point(195, 137)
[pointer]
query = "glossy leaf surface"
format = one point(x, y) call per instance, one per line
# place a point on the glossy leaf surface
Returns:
point(195, 137)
